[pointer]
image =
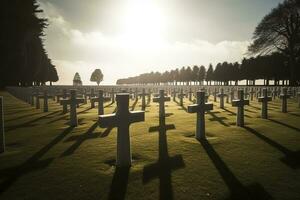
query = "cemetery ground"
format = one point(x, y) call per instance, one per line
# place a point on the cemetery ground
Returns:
point(46, 159)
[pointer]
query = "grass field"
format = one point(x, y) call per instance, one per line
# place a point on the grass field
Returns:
point(46, 159)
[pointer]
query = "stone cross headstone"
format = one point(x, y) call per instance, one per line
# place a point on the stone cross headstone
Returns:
point(215, 93)
point(206, 95)
point(258, 92)
point(2, 136)
point(240, 103)
point(284, 96)
point(190, 94)
point(149, 96)
point(227, 96)
point(143, 96)
point(221, 95)
point(161, 100)
point(58, 96)
point(252, 92)
point(264, 100)
point(174, 94)
point(32, 97)
point(73, 102)
point(92, 94)
point(122, 120)
point(136, 94)
point(181, 96)
point(231, 94)
point(37, 100)
point(65, 106)
point(112, 94)
point(45, 96)
point(100, 100)
point(85, 96)
point(294, 91)
point(275, 93)
point(200, 109)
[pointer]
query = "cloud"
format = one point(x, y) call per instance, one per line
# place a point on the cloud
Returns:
point(122, 55)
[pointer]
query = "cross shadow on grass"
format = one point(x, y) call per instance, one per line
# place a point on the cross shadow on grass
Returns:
point(106, 132)
point(79, 139)
point(294, 114)
point(237, 190)
point(29, 123)
point(66, 115)
point(233, 113)
point(229, 111)
point(32, 164)
point(84, 111)
point(23, 116)
point(251, 111)
point(284, 124)
point(291, 159)
point(134, 104)
point(119, 183)
point(254, 107)
point(29, 109)
point(108, 105)
point(163, 168)
point(182, 106)
point(218, 119)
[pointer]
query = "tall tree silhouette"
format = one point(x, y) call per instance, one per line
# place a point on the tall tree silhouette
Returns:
point(209, 74)
point(195, 72)
point(201, 74)
point(23, 58)
point(280, 31)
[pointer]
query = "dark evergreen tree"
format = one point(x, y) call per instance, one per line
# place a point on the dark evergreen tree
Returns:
point(201, 74)
point(23, 57)
point(209, 74)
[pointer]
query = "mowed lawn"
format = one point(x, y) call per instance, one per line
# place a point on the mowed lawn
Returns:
point(46, 159)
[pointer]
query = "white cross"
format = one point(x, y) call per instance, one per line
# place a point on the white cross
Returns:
point(100, 99)
point(221, 95)
point(161, 100)
point(45, 96)
point(143, 95)
point(240, 103)
point(200, 109)
point(284, 96)
point(264, 99)
point(122, 120)
point(73, 101)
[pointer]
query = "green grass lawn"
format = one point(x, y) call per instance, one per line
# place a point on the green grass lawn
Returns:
point(46, 159)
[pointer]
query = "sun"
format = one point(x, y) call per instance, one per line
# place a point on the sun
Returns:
point(143, 23)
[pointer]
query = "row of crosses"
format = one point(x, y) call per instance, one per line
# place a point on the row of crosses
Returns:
point(123, 118)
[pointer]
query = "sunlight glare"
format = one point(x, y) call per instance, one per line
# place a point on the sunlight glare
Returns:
point(143, 24)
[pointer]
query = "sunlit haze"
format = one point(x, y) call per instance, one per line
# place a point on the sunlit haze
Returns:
point(129, 37)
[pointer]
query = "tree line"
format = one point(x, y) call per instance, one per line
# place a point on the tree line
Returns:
point(24, 60)
point(269, 67)
point(275, 52)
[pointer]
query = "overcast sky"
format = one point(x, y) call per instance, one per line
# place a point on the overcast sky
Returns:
point(128, 37)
